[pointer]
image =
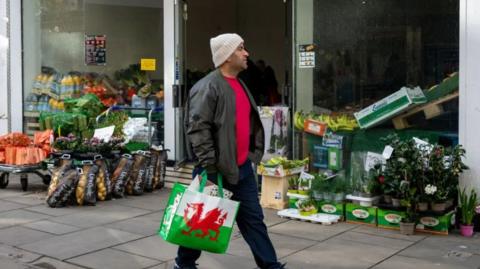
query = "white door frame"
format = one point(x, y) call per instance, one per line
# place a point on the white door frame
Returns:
point(16, 63)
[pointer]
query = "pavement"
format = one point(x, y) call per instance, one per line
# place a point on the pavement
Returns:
point(121, 234)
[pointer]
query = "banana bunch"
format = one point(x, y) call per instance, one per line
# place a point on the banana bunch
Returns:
point(342, 122)
point(298, 119)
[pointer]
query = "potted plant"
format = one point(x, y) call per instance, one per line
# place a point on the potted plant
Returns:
point(303, 186)
point(293, 185)
point(307, 207)
point(327, 190)
point(339, 189)
point(318, 184)
point(468, 204)
point(407, 224)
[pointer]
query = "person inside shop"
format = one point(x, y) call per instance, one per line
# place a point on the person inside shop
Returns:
point(214, 104)
point(252, 77)
point(269, 83)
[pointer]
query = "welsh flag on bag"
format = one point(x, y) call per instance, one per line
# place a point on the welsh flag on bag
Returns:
point(196, 220)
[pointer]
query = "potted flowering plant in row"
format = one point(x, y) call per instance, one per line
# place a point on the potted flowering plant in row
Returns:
point(467, 206)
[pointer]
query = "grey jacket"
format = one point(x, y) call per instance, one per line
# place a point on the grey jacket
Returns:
point(211, 130)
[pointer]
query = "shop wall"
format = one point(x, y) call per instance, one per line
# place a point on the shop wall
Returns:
point(3, 69)
point(132, 33)
point(260, 23)
point(469, 89)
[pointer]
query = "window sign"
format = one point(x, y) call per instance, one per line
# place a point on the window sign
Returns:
point(95, 50)
point(306, 56)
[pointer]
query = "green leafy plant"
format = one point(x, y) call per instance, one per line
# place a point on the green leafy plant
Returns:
point(293, 183)
point(467, 206)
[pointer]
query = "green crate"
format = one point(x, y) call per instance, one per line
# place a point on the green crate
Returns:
point(436, 224)
point(361, 214)
point(332, 208)
point(390, 219)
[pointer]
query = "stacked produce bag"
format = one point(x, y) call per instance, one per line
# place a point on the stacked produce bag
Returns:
point(88, 181)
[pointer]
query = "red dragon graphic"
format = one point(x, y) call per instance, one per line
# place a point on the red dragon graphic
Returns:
point(212, 221)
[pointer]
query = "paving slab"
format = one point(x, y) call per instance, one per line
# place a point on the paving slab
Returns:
point(54, 212)
point(78, 243)
point(19, 235)
point(395, 234)
point(284, 245)
point(149, 201)
point(144, 225)
point(17, 254)
point(395, 244)
point(8, 263)
point(18, 216)
point(28, 199)
point(217, 261)
point(310, 231)
point(95, 216)
point(271, 217)
point(336, 253)
point(111, 258)
point(7, 206)
point(49, 263)
point(151, 247)
point(401, 262)
point(51, 227)
point(453, 250)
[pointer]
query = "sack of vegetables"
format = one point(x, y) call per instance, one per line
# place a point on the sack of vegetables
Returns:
point(120, 175)
point(160, 169)
point(58, 173)
point(85, 192)
point(137, 173)
point(63, 191)
point(102, 181)
point(150, 171)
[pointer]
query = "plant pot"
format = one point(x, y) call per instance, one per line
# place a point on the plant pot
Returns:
point(407, 228)
point(466, 230)
point(438, 206)
point(387, 198)
point(339, 197)
point(448, 203)
point(292, 191)
point(422, 206)
point(327, 196)
point(396, 202)
point(317, 195)
point(302, 192)
point(308, 213)
point(366, 203)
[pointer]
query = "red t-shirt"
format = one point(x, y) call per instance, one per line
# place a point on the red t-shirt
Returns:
point(243, 108)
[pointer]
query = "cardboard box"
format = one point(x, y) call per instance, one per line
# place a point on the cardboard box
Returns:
point(315, 127)
point(274, 192)
point(388, 107)
point(389, 219)
point(331, 208)
point(431, 223)
point(279, 171)
point(361, 214)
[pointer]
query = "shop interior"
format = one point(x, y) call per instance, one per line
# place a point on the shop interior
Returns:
point(72, 48)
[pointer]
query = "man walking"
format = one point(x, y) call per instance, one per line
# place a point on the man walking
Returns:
point(226, 135)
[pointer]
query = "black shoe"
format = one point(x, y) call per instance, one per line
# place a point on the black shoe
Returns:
point(175, 266)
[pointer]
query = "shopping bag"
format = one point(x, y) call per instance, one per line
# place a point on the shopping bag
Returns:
point(211, 190)
point(197, 220)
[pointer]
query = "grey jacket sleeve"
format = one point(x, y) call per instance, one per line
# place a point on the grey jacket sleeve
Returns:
point(200, 123)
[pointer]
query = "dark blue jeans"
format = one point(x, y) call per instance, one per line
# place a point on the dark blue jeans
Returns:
point(249, 221)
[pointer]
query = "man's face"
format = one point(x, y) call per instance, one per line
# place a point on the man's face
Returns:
point(238, 59)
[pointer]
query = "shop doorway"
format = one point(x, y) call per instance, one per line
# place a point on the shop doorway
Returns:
point(266, 28)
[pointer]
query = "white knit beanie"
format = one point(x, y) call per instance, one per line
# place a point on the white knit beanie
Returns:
point(223, 46)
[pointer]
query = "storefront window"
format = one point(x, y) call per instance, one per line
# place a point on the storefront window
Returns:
point(391, 66)
point(73, 47)
point(365, 50)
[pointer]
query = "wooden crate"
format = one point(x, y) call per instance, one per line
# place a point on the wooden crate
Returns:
point(430, 110)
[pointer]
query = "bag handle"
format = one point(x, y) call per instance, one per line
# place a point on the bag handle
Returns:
point(203, 182)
